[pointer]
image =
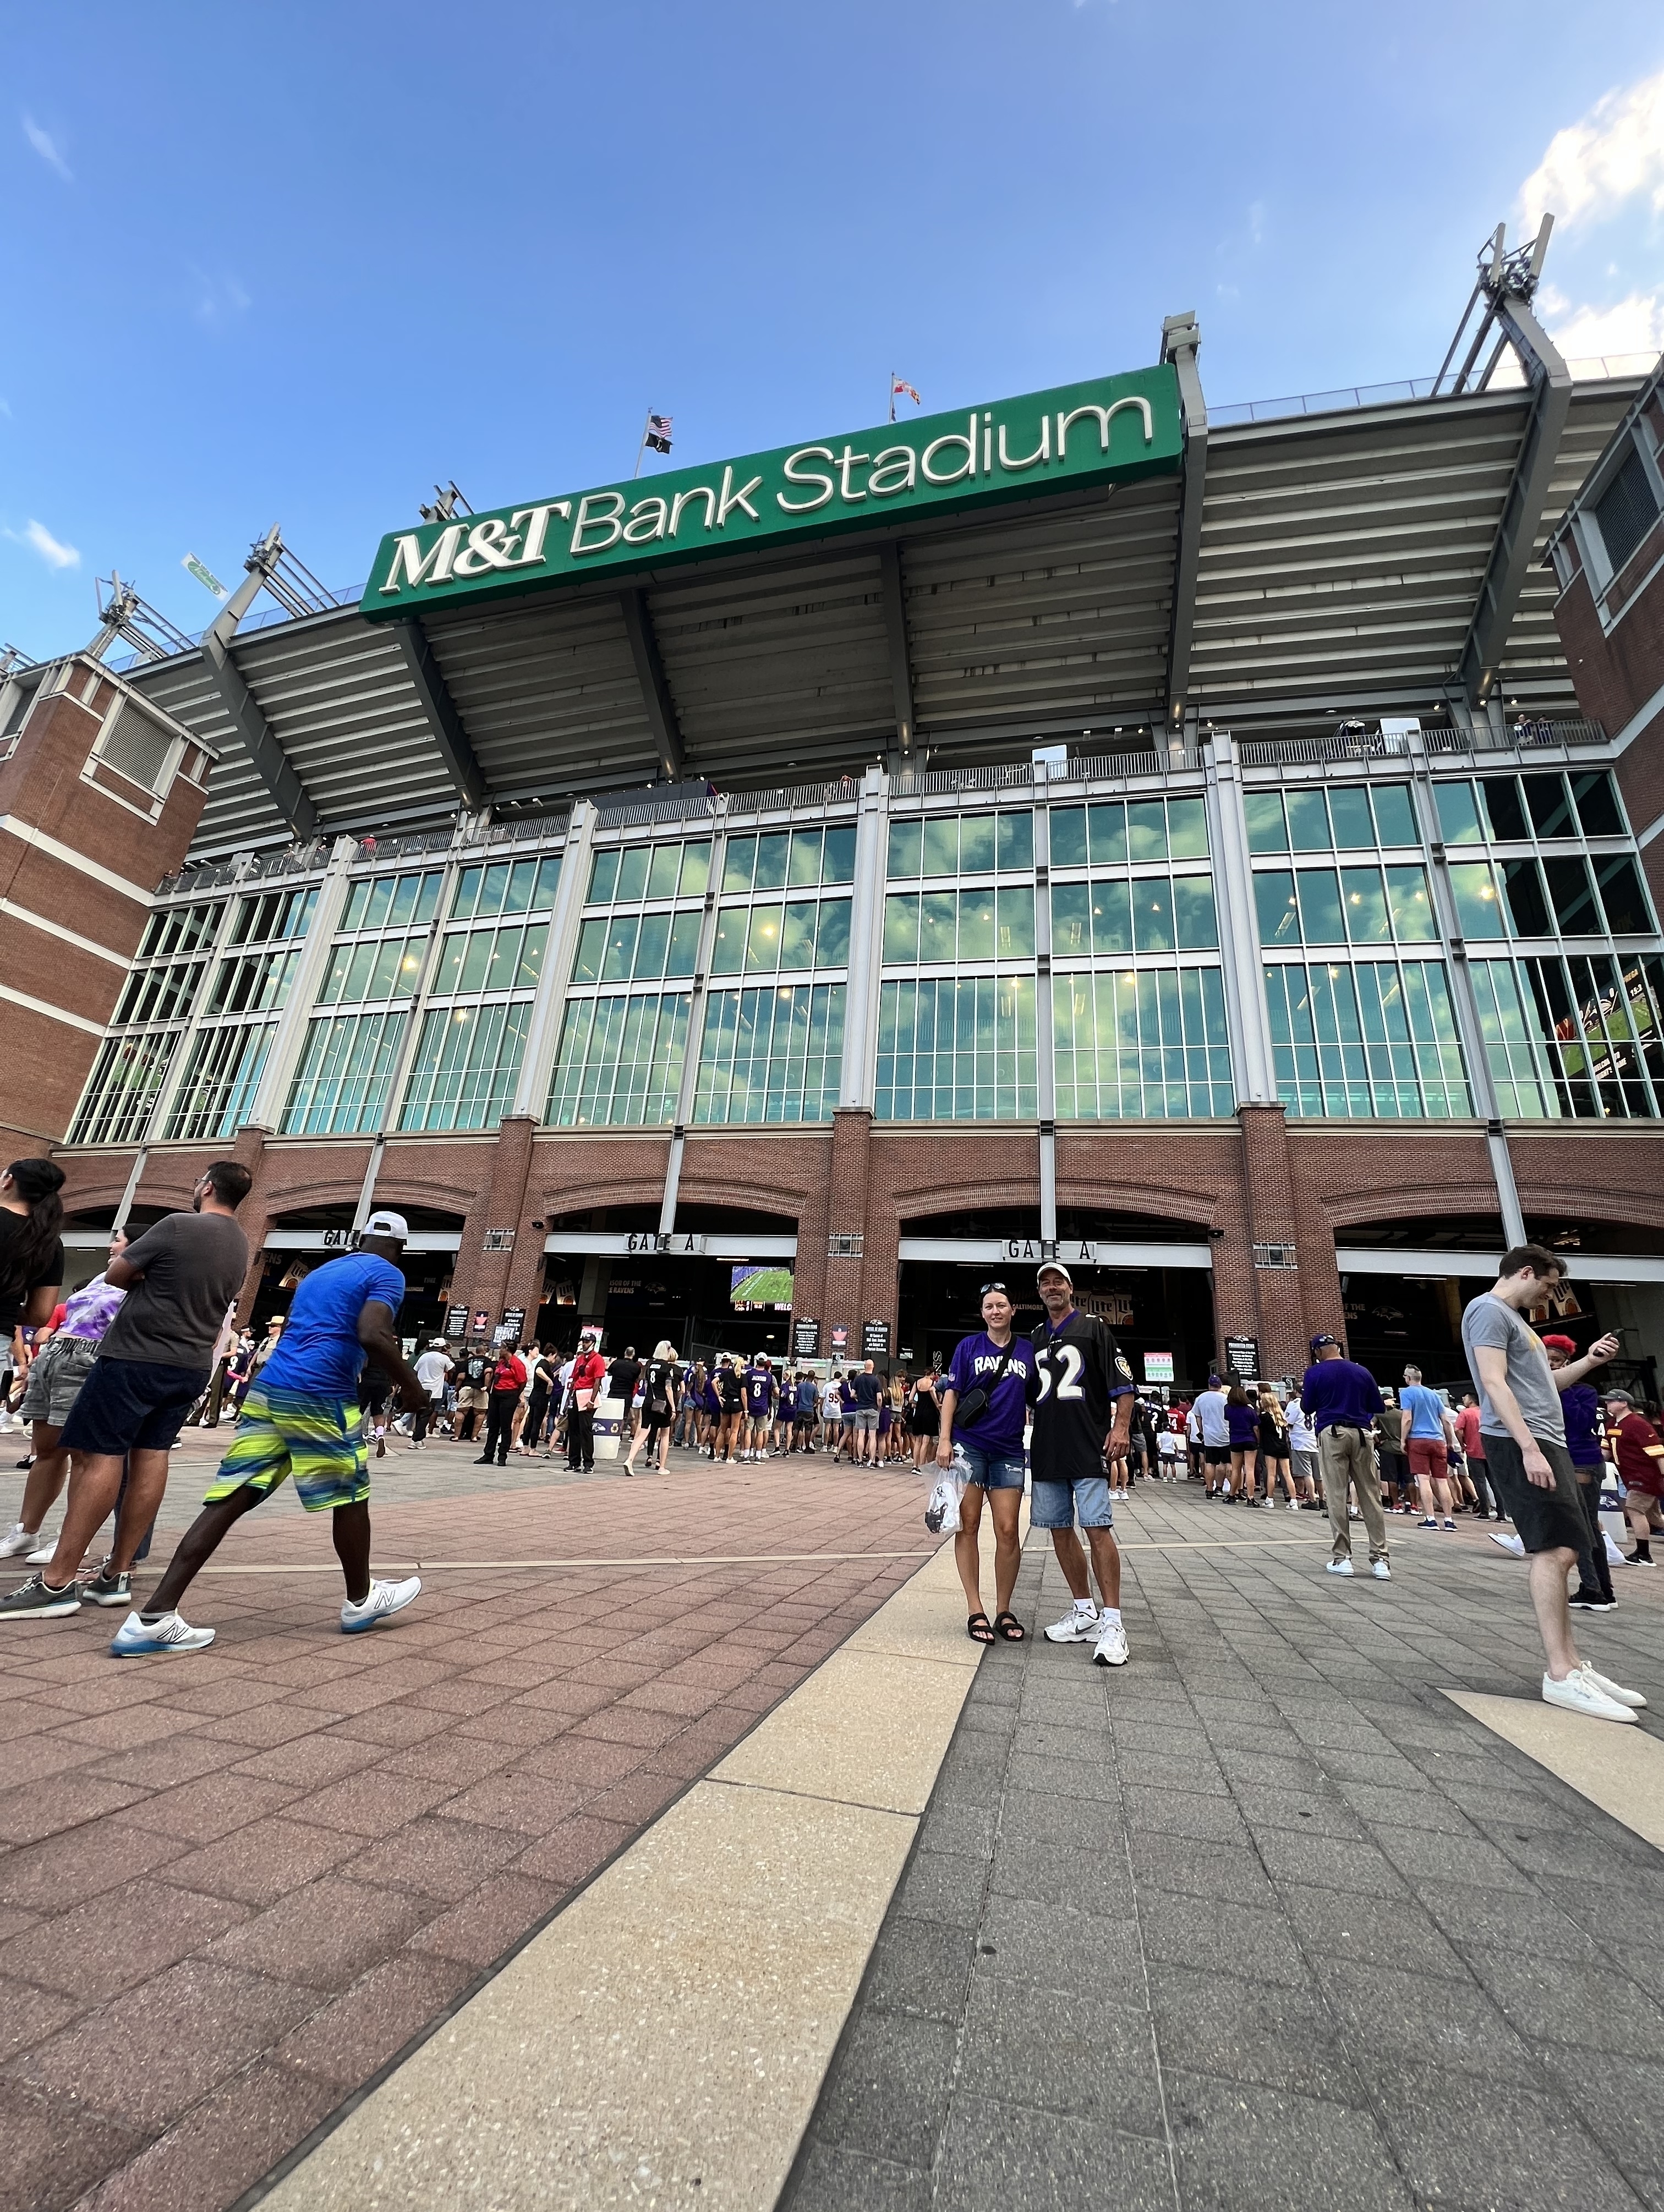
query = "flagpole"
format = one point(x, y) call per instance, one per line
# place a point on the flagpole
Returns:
point(642, 449)
point(893, 395)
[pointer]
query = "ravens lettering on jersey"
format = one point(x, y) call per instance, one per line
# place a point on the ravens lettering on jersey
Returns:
point(1079, 1372)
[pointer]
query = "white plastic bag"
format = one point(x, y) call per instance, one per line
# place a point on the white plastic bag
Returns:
point(941, 1513)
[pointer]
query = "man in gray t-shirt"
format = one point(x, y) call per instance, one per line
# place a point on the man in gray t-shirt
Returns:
point(155, 1361)
point(1531, 1470)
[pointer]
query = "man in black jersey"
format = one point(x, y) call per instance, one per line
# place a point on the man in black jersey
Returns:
point(1082, 1397)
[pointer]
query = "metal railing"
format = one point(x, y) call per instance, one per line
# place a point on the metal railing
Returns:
point(1363, 745)
point(415, 846)
point(1518, 737)
point(795, 798)
point(637, 811)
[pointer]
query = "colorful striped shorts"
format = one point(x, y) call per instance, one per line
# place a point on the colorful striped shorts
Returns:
point(320, 1441)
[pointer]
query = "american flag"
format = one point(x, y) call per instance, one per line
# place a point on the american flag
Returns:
point(900, 388)
point(658, 433)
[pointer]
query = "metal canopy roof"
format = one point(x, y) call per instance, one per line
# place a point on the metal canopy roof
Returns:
point(1341, 559)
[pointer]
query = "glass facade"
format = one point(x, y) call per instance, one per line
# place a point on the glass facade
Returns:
point(466, 1064)
point(620, 1060)
point(156, 1000)
point(1373, 1040)
point(957, 1048)
point(1576, 1036)
point(1137, 1043)
point(771, 1053)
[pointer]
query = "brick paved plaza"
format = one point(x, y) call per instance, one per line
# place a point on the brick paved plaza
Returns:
point(1265, 1919)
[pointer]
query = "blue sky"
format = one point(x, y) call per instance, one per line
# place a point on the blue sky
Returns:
point(296, 263)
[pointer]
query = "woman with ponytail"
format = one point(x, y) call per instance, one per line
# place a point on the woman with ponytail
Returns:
point(31, 1249)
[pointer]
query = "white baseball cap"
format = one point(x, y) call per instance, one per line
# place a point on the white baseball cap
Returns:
point(1054, 1267)
point(383, 1223)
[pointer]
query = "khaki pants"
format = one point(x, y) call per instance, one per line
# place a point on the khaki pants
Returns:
point(1347, 1458)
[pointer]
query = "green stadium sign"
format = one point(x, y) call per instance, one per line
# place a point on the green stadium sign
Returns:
point(1110, 430)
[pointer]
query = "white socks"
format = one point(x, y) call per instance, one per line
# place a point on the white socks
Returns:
point(1110, 1616)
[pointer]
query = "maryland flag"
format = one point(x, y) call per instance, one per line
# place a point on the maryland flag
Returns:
point(900, 389)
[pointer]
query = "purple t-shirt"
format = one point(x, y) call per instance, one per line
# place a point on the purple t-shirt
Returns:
point(975, 1358)
point(1243, 1422)
point(89, 1311)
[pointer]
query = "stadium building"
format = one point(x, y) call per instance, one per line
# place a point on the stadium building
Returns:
point(759, 903)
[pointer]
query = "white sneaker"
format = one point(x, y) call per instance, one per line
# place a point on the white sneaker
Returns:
point(384, 1599)
point(19, 1538)
point(45, 1550)
point(1513, 1546)
point(1615, 1690)
point(135, 1637)
point(1111, 1648)
point(1578, 1695)
point(1338, 1567)
point(1380, 1570)
point(1076, 1625)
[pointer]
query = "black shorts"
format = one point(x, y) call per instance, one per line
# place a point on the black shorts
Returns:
point(1548, 1520)
point(1394, 1466)
point(132, 1405)
point(1216, 1455)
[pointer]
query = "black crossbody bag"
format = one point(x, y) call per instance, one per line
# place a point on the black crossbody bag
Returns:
point(974, 1404)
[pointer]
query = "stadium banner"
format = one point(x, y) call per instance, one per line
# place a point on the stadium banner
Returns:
point(1110, 429)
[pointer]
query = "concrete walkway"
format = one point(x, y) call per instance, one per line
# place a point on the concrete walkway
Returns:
point(1268, 1920)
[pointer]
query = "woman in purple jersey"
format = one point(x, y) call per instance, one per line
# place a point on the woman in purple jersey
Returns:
point(983, 1412)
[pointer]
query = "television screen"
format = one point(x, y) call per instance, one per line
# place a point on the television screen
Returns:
point(751, 1287)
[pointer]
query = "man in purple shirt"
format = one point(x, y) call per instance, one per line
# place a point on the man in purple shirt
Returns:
point(1341, 1402)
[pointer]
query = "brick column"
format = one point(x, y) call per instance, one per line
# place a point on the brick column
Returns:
point(1279, 1308)
point(490, 1279)
point(843, 1299)
point(253, 1214)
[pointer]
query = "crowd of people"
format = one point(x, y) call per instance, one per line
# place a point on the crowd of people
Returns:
point(114, 1371)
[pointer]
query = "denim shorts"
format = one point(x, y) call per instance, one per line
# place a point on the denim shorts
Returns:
point(993, 1470)
point(1058, 1504)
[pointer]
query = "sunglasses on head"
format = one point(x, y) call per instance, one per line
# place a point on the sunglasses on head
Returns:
point(1000, 1287)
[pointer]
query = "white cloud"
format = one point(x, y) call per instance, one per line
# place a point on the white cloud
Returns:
point(1633, 325)
point(218, 297)
point(52, 551)
point(47, 146)
point(1607, 157)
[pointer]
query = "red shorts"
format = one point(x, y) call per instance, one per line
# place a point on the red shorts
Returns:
point(1428, 1455)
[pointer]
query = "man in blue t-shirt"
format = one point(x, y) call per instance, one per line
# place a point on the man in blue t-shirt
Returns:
point(1429, 1440)
point(1341, 1402)
point(302, 1418)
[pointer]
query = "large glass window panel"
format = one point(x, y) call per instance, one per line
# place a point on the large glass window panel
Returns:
point(906, 851)
point(1268, 832)
point(274, 916)
point(123, 1088)
point(255, 982)
point(682, 956)
point(1504, 809)
point(797, 935)
point(1014, 843)
point(1320, 917)
point(1071, 920)
point(159, 993)
point(586, 961)
point(772, 851)
point(1527, 909)
point(1146, 830)
point(603, 875)
point(728, 952)
point(696, 868)
point(620, 957)
point(1411, 905)
point(771, 1053)
point(804, 866)
point(221, 1075)
point(838, 858)
point(941, 845)
point(1106, 832)
point(1623, 894)
point(957, 1048)
point(651, 944)
point(1195, 925)
point(1597, 812)
point(1068, 833)
point(1584, 1028)
point(938, 921)
point(1548, 806)
point(1395, 818)
point(1152, 914)
point(831, 936)
point(1364, 901)
point(340, 1086)
point(1275, 907)
point(178, 929)
point(477, 955)
point(1376, 1039)
point(1508, 1022)
point(1187, 829)
point(976, 925)
point(739, 863)
point(1571, 896)
point(620, 1061)
point(662, 872)
point(1112, 916)
point(762, 937)
point(1459, 817)
point(901, 929)
point(1150, 1046)
point(467, 1063)
point(976, 844)
point(632, 875)
point(1015, 933)
point(1308, 820)
point(1349, 810)
point(1479, 909)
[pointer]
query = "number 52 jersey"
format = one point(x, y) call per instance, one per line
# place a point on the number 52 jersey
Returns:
point(1080, 1371)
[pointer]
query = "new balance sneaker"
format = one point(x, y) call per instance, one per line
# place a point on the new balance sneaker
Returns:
point(1449, 1524)
point(1615, 1690)
point(1111, 1648)
point(136, 1638)
point(108, 1589)
point(1078, 1625)
point(1578, 1695)
point(1338, 1567)
point(18, 1538)
point(1431, 1522)
point(35, 1601)
point(384, 1599)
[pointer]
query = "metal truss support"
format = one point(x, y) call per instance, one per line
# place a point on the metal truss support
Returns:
point(895, 631)
point(438, 704)
point(1181, 340)
point(656, 688)
point(272, 763)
